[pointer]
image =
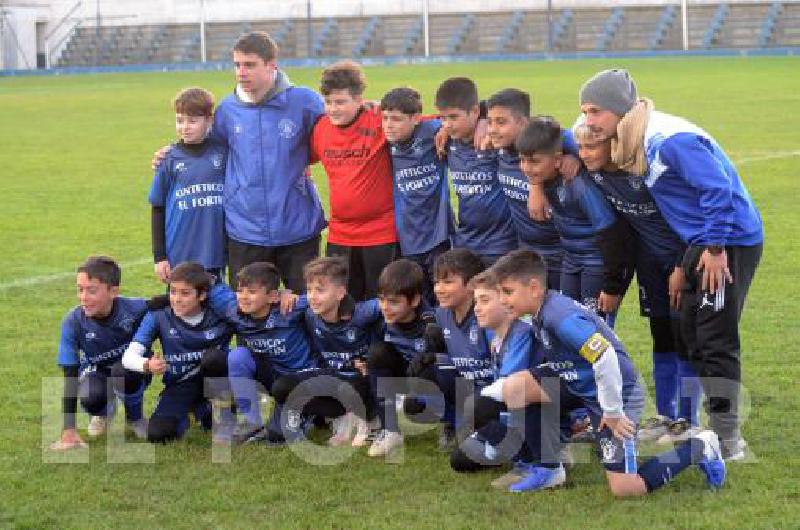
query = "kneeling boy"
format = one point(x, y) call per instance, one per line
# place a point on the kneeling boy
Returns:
point(586, 365)
point(94, 336)
point(188, 332)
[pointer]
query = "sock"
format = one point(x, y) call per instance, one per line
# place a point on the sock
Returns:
point(664, 467)
point(388, 413)
point(665, 376)
point(242, 371)
point(133, 405)
point(495, 390)
point(691, 393)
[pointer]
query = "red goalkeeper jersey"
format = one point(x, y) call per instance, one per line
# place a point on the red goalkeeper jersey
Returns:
point(357, 161)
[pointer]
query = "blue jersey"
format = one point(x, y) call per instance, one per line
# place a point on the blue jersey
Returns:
point(339, 343)
point(485, 225)
point(571, 338)
point(422, 211)
point(696, 187)
point(467, 345)
point(181, 342)
point(579, 211)
point(408, 338)
point(631, 198)
point(91, 343)
point(189, 186)
point(516, 352)
point(534, 235)
point(283, 339)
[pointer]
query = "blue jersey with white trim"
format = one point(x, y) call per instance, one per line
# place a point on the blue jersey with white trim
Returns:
point(485, 225)
point(535, 235)
point(181, 342)
point(580, 211)
point(189, 186)
point(423, 216)
point(340, 343)
point(282, 338)
point(91, 343)
point(467, 345)
point(630, 197)
point(696, 186)
point(516, 352)
point(571, 338)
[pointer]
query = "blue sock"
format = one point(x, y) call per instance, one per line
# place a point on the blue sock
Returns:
point(691, 393)
point(242, 371)
point(664, 467)
point(133, 405)
point(665, 376)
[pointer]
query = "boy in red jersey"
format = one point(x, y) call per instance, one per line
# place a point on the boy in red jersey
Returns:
point(349, 142)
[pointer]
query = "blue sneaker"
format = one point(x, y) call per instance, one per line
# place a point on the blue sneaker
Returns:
point(538, 478)
point(712, 464)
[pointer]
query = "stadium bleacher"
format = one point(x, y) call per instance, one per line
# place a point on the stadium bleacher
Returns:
point(645, 27)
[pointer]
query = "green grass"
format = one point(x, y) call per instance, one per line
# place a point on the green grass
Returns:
point(75, 175)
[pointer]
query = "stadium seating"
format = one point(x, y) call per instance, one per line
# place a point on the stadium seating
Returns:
point(645, 27)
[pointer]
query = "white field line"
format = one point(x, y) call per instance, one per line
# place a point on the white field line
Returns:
point(767, 156)
point(46, 278)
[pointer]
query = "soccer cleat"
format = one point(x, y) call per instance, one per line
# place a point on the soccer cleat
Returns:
point(538, 478)
point(386, 443)
point(342, 430)
point(653, 429)
point(514, 475)
point(678, 431)
point(712, 464)
point(366, 432)
point(138, 428)
point(246, 433)
point(734, 451)
point(97, 426)
point(447, 438)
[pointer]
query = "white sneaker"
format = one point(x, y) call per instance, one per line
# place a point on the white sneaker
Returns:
point(342, 430)
point(386, 443)
point(139, 428)
point(365, 431)
point(97, 426)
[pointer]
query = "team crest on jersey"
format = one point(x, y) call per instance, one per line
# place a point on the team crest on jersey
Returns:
point(446, 333)
point(180, 166)
point(419, 345)
point(598, 177)
point(216, 161)
point(473, 335)
point(126, 325)
point(287, 128)
point(318, 332)
point(635, 182)
point(608, 449)
point(270, 323)
point(209, 334)
point(173, 332)
point(237, 129)
point(91, 335)
point(351, 335)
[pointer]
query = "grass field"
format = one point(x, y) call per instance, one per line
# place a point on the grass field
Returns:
point(75, 175)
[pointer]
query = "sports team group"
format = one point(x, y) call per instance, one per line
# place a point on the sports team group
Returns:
point(496, 323)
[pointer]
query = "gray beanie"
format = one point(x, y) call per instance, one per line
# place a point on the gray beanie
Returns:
point(612, 90)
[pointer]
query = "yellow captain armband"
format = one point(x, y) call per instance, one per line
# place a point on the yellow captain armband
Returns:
point(594, 347)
